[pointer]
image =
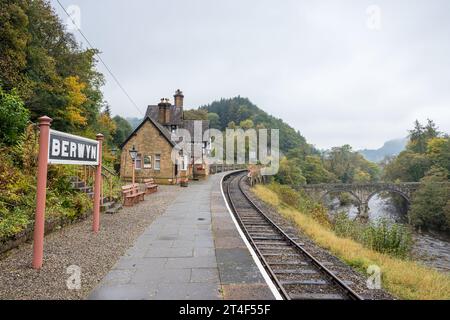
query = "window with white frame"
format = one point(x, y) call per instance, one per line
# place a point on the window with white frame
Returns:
point(138, 162)
point(157, 162)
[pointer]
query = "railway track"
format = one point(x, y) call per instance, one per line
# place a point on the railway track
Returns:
point(294, 271)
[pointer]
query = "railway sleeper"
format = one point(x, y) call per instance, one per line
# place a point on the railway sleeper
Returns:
point(262, 230)
point(284, 248)
point(296, 271)
point(316, 296)
point(288, 263)
point(304, 282)
point(266, 238)
point(259, 233)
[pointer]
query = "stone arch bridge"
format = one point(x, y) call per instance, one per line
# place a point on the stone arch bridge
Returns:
point(362, 192)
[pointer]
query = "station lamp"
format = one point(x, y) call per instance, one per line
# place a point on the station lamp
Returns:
point(133, 155)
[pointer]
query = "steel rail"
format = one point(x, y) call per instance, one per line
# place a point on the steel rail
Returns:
point(348, 292)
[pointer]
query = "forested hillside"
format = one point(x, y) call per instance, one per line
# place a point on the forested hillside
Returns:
point(44, 71)
point(242, 112)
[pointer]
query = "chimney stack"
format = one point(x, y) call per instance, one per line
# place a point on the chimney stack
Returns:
point(178, 98)
point(164, 111)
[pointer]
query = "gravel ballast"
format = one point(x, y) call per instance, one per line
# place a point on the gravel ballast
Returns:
point(354, 279)
point(76, 245)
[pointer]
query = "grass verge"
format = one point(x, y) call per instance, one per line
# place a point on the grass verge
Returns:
point(404, 279)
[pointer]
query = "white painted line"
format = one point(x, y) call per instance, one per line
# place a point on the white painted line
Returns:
point(263, 271)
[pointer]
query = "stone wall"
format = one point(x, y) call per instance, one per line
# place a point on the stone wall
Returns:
point(149, 142)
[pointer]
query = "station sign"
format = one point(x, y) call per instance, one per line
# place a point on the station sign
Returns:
point(65, 148)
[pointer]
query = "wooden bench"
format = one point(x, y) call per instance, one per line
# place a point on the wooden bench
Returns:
point(150, 186)
point(132, 195)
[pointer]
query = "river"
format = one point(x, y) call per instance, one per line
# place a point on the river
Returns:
point(429, 248)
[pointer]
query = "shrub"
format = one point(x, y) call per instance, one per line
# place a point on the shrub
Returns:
point(12, 223)
point(320, 214)
point(393, 239)
point(287, 195)
point(382, 236)
point(345, 227)
point(430, 200)
point(13, 117)
point(302, 202)
point(26, 150)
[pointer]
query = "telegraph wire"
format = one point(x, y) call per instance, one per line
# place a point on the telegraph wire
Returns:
point(101, 60)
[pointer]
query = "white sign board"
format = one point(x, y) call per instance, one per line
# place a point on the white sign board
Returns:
point(65, 148)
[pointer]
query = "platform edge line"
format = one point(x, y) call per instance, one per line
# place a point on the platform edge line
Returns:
point(258, 263)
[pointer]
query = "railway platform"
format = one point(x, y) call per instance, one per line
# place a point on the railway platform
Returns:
point(192, 251)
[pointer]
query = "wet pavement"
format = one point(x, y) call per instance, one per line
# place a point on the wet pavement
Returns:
point(192, 251)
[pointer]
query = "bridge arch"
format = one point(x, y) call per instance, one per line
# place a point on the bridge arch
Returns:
point(340, 190)
point(391, 190)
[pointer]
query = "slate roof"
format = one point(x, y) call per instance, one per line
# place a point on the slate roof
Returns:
point(176, 118)
point(176, 114)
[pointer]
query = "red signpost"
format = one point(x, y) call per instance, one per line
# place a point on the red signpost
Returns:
point(97, 187)
point(61, 148)
point(41, 193)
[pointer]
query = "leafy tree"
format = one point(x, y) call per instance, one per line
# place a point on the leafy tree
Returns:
point(420, 135)
point(231, 125)
point(106, 126)
point(73, 113)
point(350, 166)
point(14, 37)
point(438, 150)
point(195, 114)
point(417, 141)
point(290, 172)
point(430, 201)
point(214, 120)
point(13, 117)
point(123, 130)
point(52, 74)
point(361, 176)
point(246, 124)
point(315, 172)
point(407, 167)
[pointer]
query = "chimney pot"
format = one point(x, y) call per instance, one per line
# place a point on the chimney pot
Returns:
point(178, 98)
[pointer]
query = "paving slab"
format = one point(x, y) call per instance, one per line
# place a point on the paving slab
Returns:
point(192, 251)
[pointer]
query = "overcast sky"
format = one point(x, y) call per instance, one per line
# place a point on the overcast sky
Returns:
point(357, 72)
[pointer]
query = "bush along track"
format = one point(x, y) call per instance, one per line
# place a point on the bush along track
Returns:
point(382, 245)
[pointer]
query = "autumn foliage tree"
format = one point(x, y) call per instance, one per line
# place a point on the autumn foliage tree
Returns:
point(426, 159)
point(47, 68)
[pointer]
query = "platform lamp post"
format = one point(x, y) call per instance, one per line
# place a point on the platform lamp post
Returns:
point(133, 155)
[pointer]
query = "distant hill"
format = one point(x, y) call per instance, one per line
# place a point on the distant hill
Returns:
point(238, 109)
point(390, 148)
point(134, 122)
